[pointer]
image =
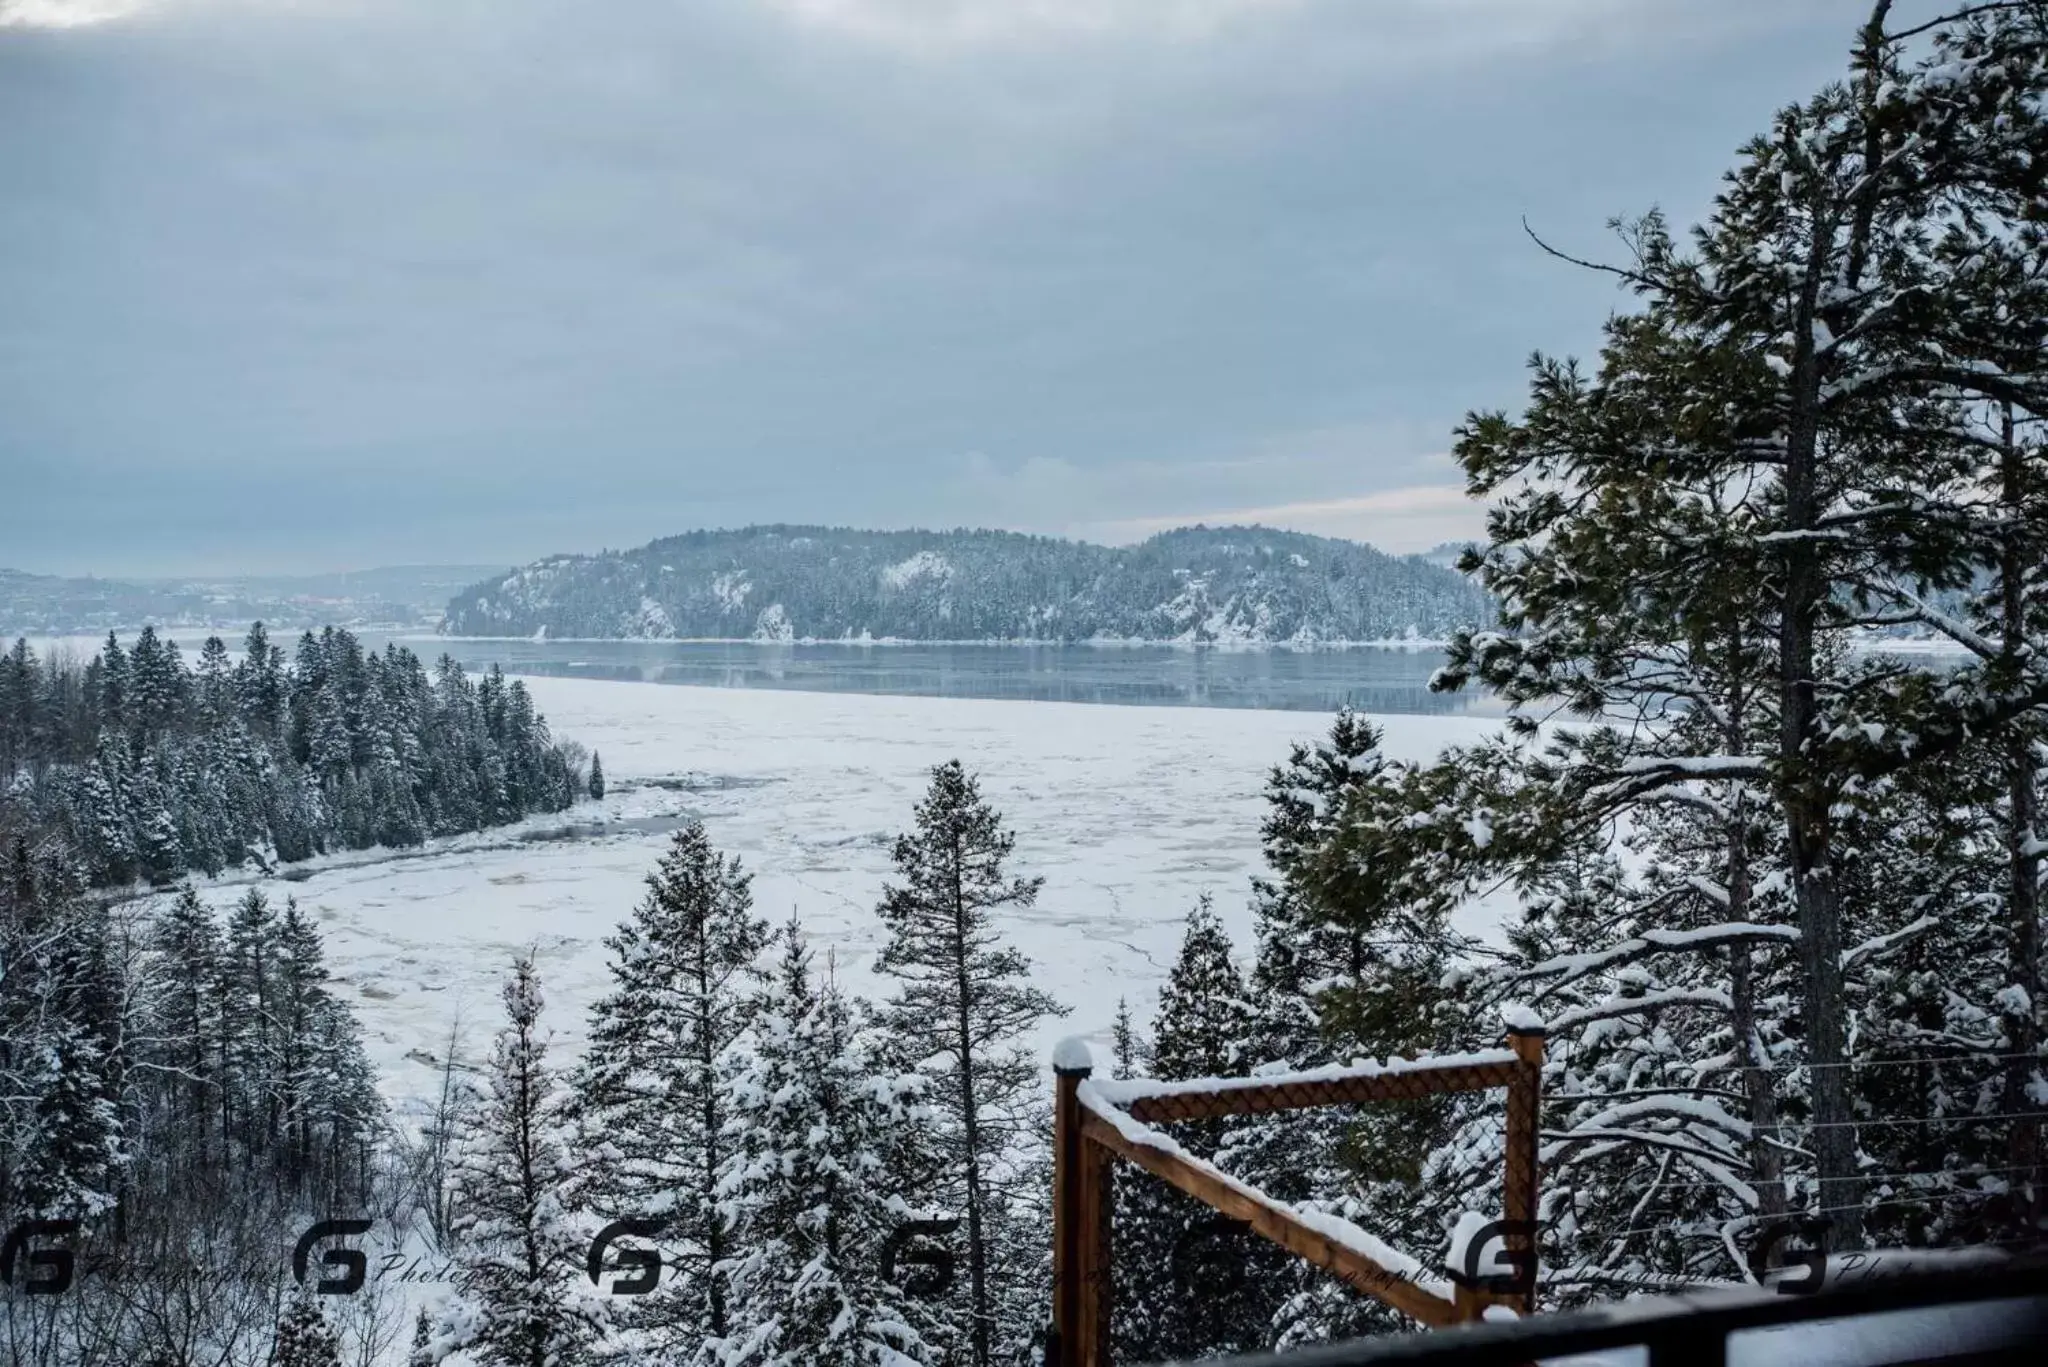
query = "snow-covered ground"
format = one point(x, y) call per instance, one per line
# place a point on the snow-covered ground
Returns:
point(1130, 813)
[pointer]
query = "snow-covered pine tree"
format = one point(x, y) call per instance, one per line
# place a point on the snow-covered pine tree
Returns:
point(20, 708)
point(814, 1188)
point(1826, 355)
point(1193, 1283)
point(650, 1104)
point(213, 684)
point(1126, 1049)
point(1306, 947)
point(249, 1013)
point(1632, 592)
point(63, 1144)
point(596, 788)
point(111, 696)
point(159, 849)
point(157, 687)
point(304, 1337)
point(422, 1352)
point(260, 687)
point(518, 1250)
point(1354, 942)
point(189, 1023)
point(317, 1061)
point(100, 816)
point(965, 1000)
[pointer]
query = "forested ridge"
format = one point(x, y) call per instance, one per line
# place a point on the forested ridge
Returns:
point(1197, 584)
point(150, 768)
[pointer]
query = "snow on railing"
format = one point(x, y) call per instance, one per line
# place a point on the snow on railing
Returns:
point(1096, 1123)
point(1332, 1227)
point(1125, 1091)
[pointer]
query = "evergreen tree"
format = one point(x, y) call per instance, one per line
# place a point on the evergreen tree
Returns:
point(422, 1354)
point(1355, 957)
point(519, 1253)
point(249, 1008)
point(1315, 940)
point(965, 1001)
point(1821, 345)
point(214, 683)
point(159, 847)
point(260, 684)
point(20, 707)
point(813, 1189)
point(63, 1142)
point(596, 777)
point(112, 693)
point(190, 1022)
point(304, 1337)
point(1193, 1283)
point(1125, 1047)
point(651, 1104)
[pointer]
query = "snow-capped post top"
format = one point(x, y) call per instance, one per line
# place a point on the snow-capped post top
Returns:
point(1070, 1057)
point(1521, 1020)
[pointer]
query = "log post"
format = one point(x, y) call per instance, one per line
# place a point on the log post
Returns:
point(1071, 1065)
point(1091, 1343)
point(1519, 1174)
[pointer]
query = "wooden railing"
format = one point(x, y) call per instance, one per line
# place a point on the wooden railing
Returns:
point(1878, 1309)
point(1095, 1124)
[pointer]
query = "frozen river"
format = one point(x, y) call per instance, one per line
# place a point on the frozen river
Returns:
point(1371, 679)
point(1129, 813)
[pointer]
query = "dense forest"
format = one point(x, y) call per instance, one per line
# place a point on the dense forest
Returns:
point(1198, 584)
point(150, 768)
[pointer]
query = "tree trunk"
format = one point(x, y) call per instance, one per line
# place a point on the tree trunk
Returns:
point(1766, 1158)
point(970, 1124)
point(2020, 1014)
point(714, 1226)
point(1807, 793)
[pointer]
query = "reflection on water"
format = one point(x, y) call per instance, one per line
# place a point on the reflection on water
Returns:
point(1372, 680)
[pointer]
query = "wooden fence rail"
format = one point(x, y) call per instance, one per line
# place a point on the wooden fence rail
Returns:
point(1097, 1124)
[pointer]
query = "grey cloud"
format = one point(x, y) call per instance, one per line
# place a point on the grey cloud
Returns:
point(326, 282)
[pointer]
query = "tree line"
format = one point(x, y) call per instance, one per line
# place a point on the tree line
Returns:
point(182, 1087)
point(151, 768)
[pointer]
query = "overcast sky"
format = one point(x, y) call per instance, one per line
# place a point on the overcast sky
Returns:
point(321, 284)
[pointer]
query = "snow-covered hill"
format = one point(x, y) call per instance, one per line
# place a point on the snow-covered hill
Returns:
point(1197, 584)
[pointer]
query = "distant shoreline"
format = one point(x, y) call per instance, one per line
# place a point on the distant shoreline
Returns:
point(414, 632)
point(896, 642)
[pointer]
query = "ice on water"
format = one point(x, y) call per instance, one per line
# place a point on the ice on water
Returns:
point(1129, 813)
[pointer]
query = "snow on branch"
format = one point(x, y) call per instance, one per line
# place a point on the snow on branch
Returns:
point(1878, 945)
point(1697, 766)
point(1692, 1109)
point(1563, 1140)
point(1572, 967)
point(1957, 630)
point(1712, 998)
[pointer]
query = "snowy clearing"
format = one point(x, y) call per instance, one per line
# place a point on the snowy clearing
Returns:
point(1129, 813)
